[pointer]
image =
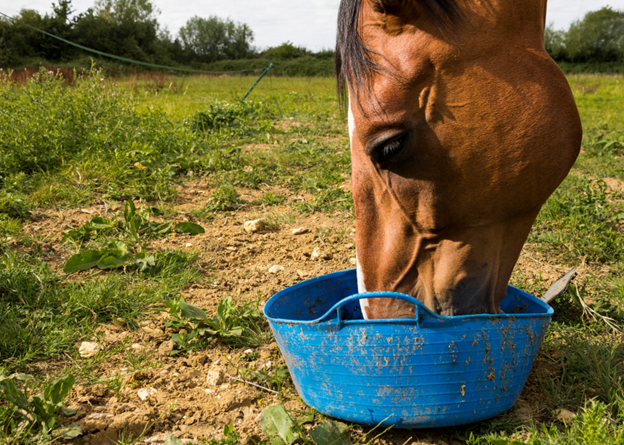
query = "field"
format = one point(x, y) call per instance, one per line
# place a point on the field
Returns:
point(122, 211)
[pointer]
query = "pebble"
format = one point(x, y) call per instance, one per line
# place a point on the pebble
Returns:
point(302, 273)
point(275, 269)
point(145, 393)
point(166, 347)
point(88, 349)
point(215, 376)
point(154, 333)
point(565, 415)
point(353, 261)
point(318, 253)
point(299, 231)
point(253, 226)
point(136, 346)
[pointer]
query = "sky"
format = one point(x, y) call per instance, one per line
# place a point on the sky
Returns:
point(307, 23)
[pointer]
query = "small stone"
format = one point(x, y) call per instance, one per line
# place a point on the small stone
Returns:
point(302, 273)
point(225, 386)
point(565, 416)
point(166, 347)
point(189, 245)
point(253, 226)
point(276, 269)
point(247, 351)
point(88, 349)
point(153, 333)
point(353, 261)
point(215, 376)
point(136, 346)
point(299, 231)
point(145, 393)
point(318, 253)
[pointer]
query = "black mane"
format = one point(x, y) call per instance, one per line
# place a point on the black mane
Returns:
point(354, 64)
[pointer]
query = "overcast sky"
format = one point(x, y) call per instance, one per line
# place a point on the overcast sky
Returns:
point(308, 23)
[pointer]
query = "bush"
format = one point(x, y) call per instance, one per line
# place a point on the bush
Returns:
point(46, 126)
point(228, 115)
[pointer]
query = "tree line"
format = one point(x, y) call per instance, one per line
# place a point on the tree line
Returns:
point(597, 37)
point(130, 29)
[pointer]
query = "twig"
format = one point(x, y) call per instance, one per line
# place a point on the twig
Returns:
point(258, 386)
point(225, 222)
point(405, 443)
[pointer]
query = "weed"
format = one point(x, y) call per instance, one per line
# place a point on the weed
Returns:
point(37, 412)
point(276, 379)
point(230, 437)
point(591, 427)
point(235, 326)
point(14, 206)
point(270, 199)
point(117, 253)
point(45, 126)
point(139, 360)
point(224, 115)
point(224, 198)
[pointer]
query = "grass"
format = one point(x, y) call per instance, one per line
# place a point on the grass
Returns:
point(153, 134)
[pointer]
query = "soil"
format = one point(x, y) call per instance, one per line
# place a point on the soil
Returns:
point(179, 398)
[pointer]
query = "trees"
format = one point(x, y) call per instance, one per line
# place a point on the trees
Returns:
point(214, 39)
point(555, 42)
point(598, 37)
point(127, 28)
point(285, 51)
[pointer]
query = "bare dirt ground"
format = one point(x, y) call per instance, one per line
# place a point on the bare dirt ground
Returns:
point(181, 394)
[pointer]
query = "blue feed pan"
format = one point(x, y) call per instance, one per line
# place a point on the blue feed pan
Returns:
point(430, 371)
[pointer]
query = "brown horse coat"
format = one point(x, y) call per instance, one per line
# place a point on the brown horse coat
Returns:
point(461, 127)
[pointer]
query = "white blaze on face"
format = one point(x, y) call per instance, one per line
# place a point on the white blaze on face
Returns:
point(361, 288)
point(360, 276)
point(351, 121)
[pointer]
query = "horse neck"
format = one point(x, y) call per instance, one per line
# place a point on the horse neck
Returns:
point(512, 18)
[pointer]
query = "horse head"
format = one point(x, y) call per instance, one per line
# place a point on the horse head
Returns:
point(461, 127)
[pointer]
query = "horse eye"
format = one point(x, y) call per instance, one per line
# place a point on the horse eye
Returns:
point(388, 151)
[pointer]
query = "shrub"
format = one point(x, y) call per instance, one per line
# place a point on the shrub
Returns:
point(46, 126)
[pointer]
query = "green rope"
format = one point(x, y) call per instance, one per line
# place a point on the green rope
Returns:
point(137, 62)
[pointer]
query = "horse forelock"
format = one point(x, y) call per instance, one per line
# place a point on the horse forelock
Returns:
point(354, 62)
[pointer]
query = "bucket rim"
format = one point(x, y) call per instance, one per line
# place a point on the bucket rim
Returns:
point(548, 310)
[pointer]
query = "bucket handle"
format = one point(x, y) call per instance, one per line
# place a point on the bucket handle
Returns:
point(392, 295)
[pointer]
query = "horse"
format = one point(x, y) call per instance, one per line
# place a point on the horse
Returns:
point(461, 126)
